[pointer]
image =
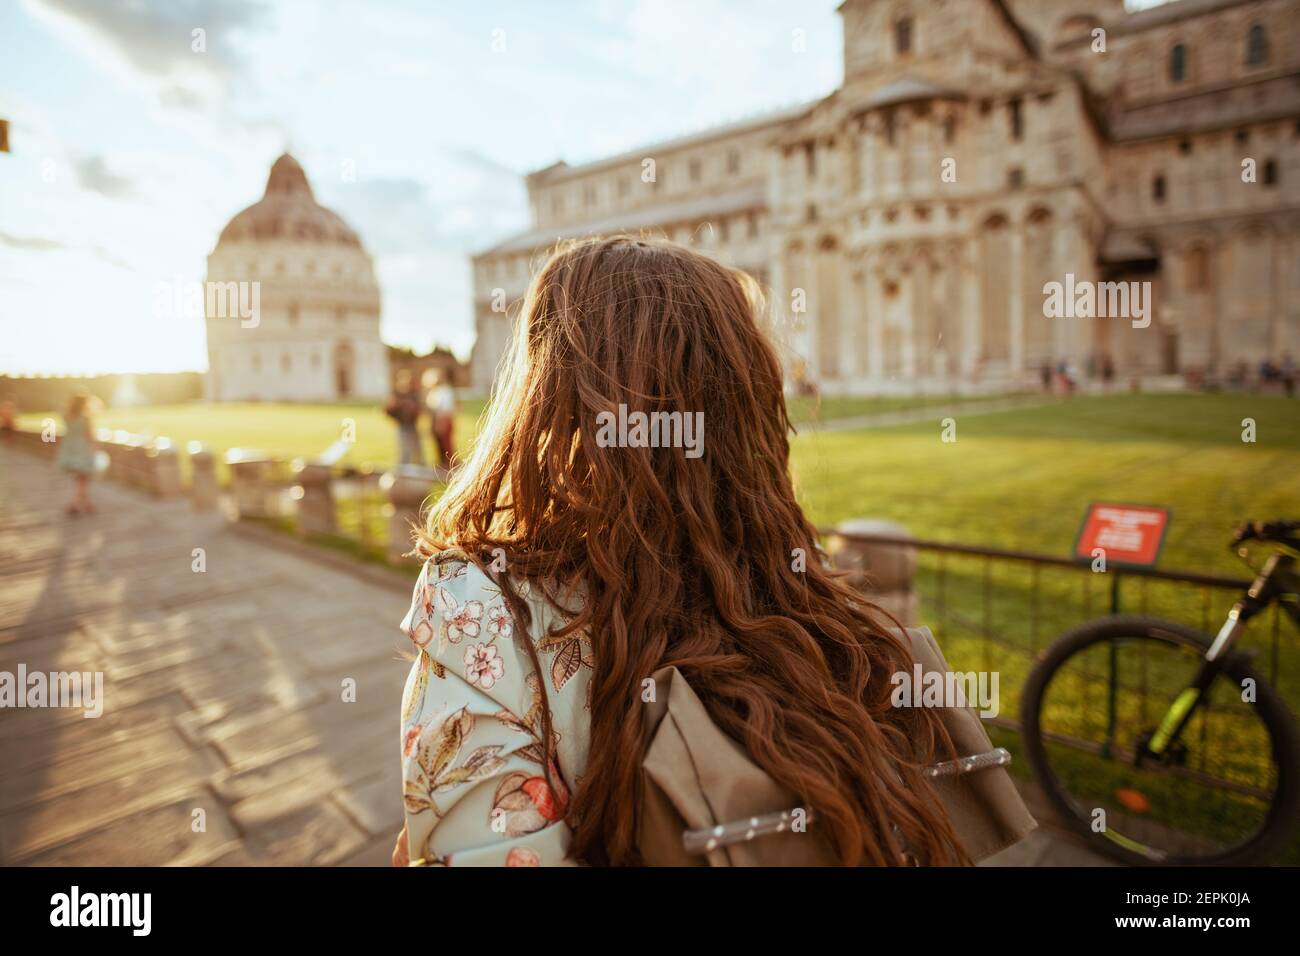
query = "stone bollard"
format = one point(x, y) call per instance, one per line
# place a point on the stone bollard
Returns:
point(204, 489)
point(407, 486)
point(118, 454)
point(164, 469)
point(883, 572)
point(316, 514)
point(137, 462)
point(250, 483)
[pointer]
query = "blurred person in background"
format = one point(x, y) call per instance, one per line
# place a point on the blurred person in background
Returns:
point(77, 449)
point(441, 400)
point(8, 419)
point(404, 408)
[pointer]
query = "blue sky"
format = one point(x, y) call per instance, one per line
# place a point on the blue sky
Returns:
point(130, 151)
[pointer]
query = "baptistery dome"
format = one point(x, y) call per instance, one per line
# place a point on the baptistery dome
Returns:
point(289, 211)
point(315, 336)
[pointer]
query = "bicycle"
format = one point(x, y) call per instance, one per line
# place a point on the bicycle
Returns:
point(1192, 759)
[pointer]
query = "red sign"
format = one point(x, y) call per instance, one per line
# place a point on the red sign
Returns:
point(1129, 535)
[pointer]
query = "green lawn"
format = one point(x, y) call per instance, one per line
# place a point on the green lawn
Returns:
point(1021, 479)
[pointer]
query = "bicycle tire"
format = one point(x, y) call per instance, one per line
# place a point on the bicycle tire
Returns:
point(1284, 737)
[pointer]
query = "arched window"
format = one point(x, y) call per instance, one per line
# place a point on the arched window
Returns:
point(1256, 45)
point(903, 35)
point(1178, 63)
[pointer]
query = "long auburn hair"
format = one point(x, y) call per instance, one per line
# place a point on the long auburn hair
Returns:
point(687, 561)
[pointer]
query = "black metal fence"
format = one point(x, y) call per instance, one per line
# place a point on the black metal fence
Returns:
point(994, 609)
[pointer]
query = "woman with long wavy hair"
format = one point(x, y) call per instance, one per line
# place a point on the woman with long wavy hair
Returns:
point(562, 570)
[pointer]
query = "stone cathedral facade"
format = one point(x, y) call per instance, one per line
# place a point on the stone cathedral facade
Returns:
point(905, 225)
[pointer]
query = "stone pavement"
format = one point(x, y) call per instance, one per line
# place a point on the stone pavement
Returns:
point(223, 692)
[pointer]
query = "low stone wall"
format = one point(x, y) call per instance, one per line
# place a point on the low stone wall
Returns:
point(150, 464)
point(883, 572)
point(307, 493)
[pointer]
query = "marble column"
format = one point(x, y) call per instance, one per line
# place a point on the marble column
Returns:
point(806, 278)
point(875, 320)
point(1016, 301)
point(972, 342)
point(855, 325)
point(907, 305)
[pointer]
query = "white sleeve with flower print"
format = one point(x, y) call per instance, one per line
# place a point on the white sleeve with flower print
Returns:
point(474, 788)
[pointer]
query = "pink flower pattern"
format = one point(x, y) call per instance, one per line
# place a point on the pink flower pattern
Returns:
point(461, 620)
point(482, 665)
point(500, 621)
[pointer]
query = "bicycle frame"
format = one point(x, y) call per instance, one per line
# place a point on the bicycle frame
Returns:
point(1277, 581)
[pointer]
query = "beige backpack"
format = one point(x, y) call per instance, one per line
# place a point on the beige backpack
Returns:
point(705, 803)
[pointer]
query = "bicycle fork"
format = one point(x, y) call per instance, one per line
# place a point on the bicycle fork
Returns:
point(1185, 705)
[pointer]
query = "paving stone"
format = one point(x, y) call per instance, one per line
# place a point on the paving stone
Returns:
point(160, 836)
point(363, 745)
point(317, 835)
point(49, 823)
point(67, 773)
point(375, 804)
point(270, 729)
point(25, 743)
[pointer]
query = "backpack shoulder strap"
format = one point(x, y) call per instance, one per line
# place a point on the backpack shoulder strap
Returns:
point(982, 801)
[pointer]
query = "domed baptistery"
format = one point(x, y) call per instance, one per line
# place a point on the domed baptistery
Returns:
point(291, 302)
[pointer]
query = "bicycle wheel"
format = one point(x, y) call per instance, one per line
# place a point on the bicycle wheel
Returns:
point(1228, 792)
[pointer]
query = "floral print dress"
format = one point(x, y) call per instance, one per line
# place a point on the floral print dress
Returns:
point(474, 787)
